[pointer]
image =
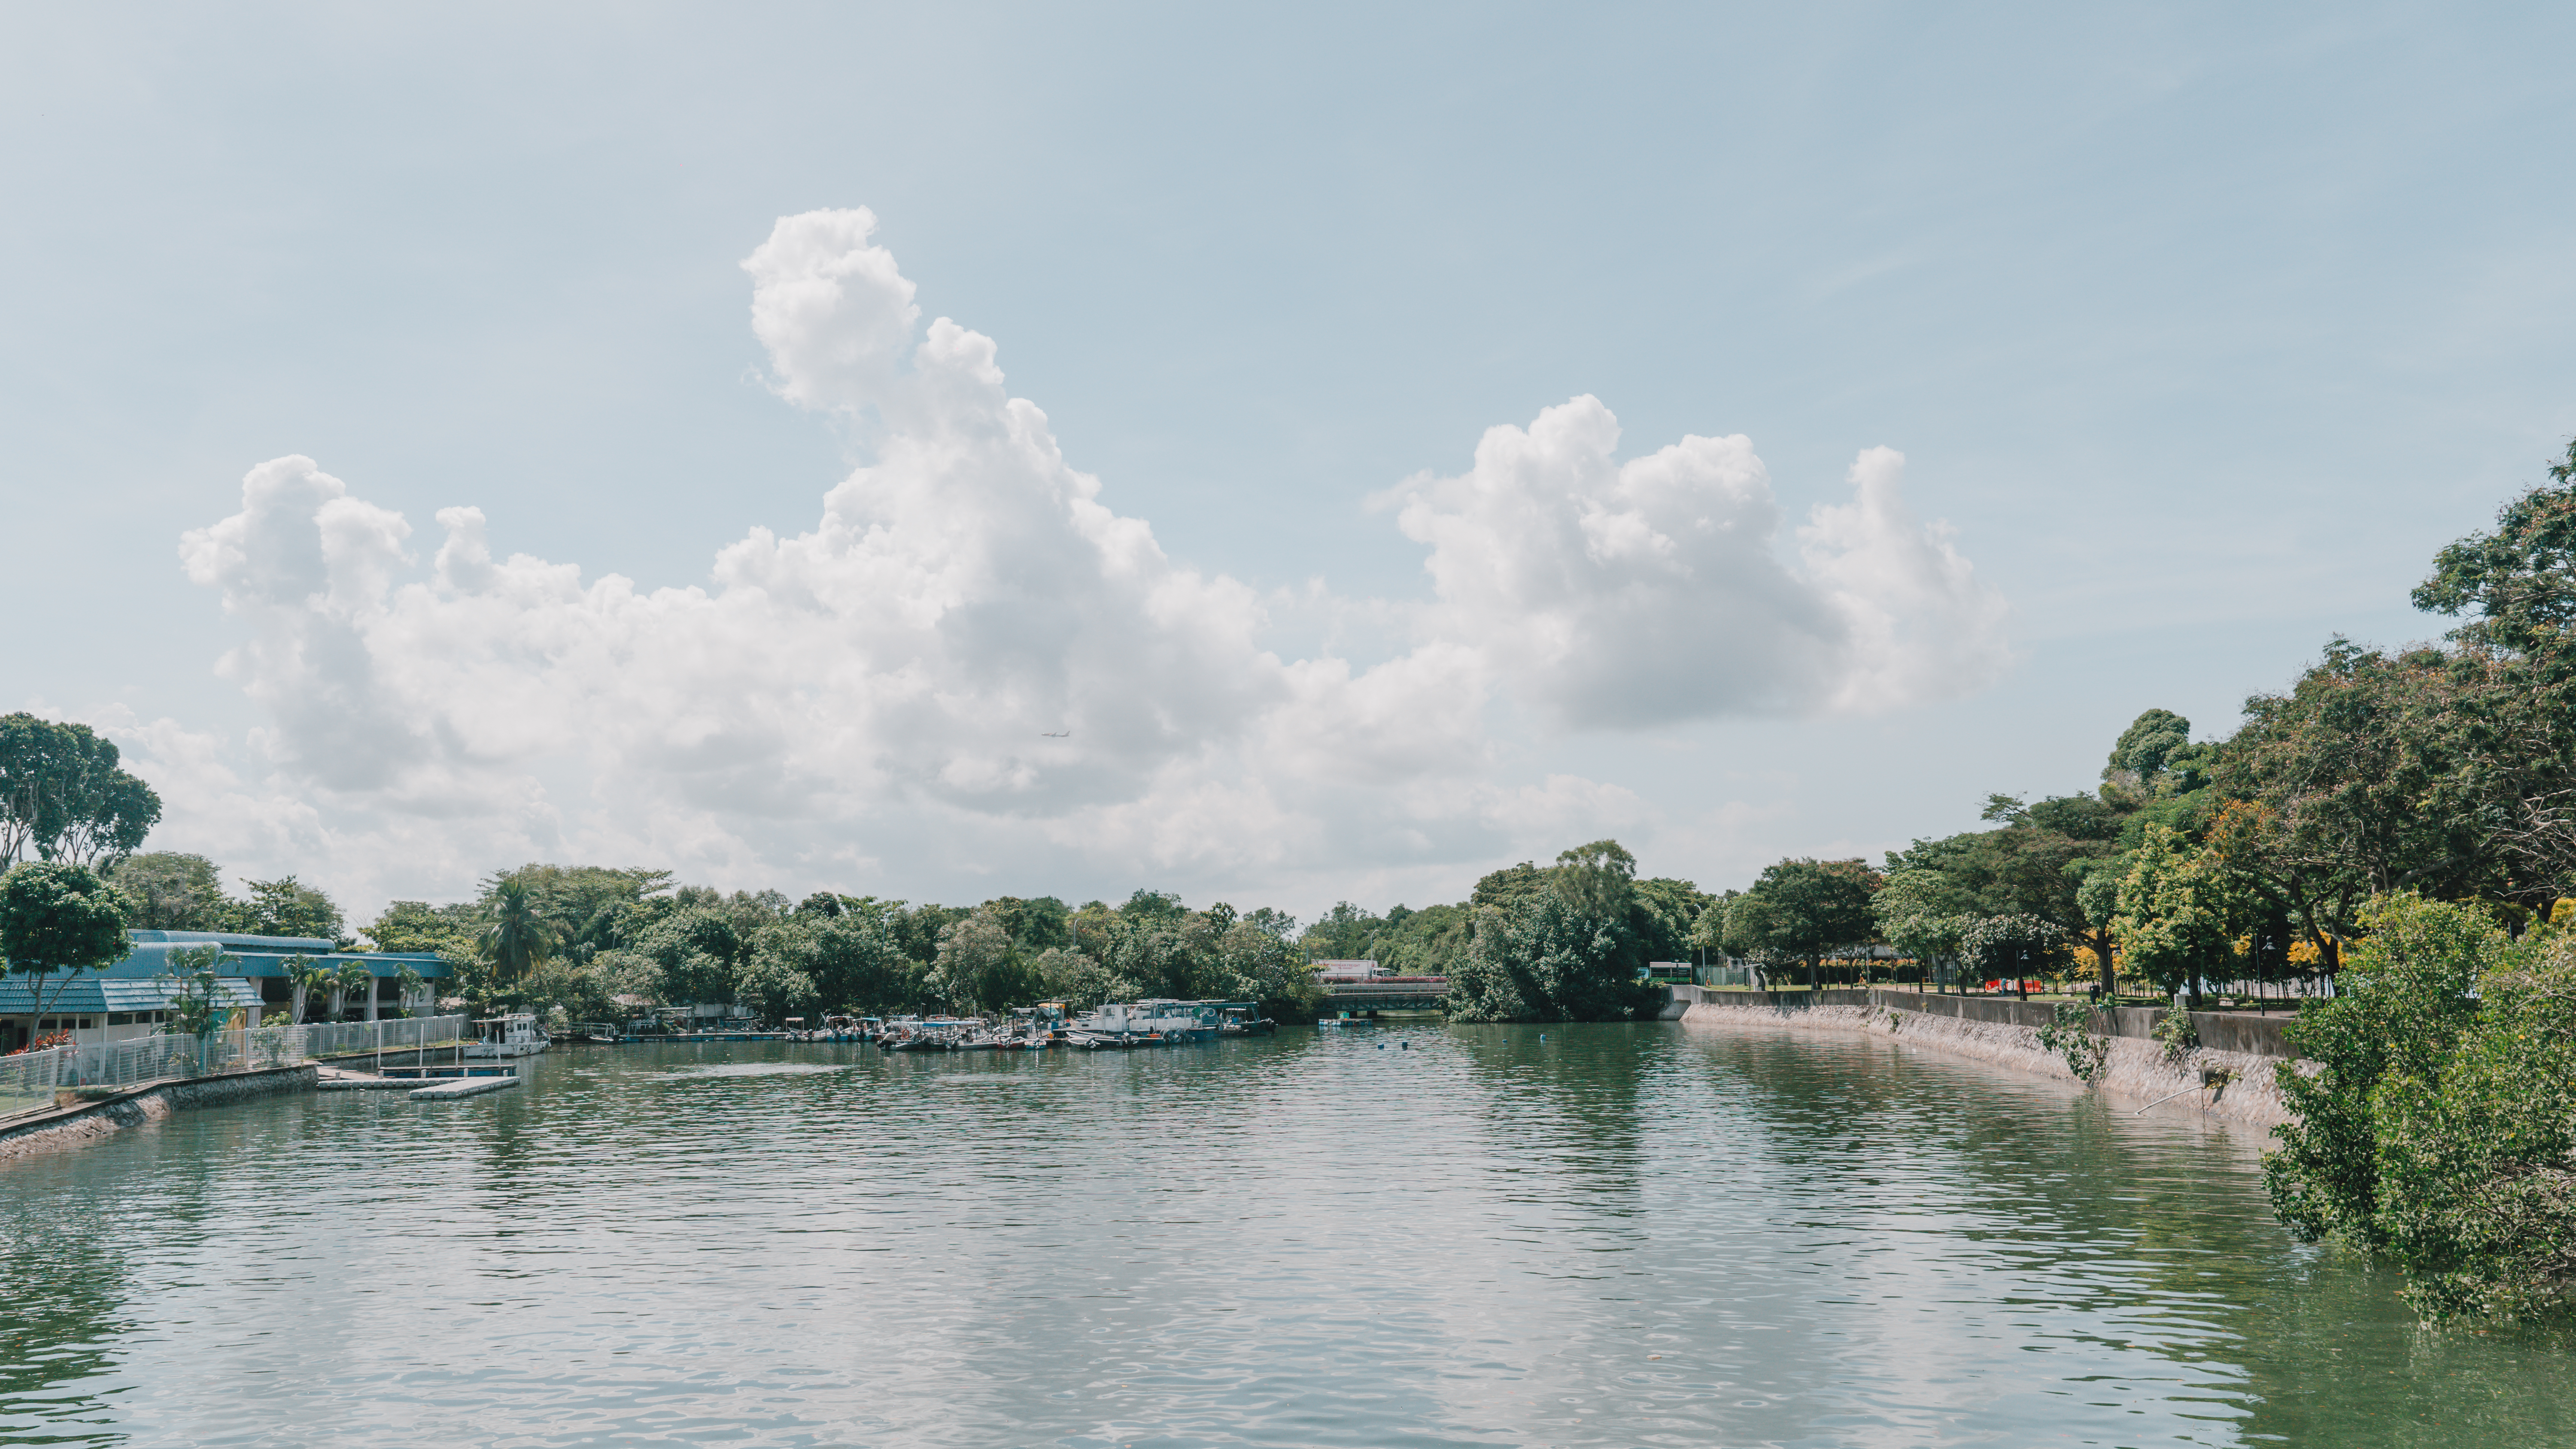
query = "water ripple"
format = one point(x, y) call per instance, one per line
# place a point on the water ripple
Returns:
point(1618, 1236)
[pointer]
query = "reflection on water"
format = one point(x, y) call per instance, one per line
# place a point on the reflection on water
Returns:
point(1617, 1235)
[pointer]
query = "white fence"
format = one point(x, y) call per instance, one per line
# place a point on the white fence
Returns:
point(30, 1080)
point(345, 1038)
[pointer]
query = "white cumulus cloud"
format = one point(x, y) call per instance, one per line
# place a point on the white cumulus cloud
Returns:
point(874, 695)
point(1651, 591)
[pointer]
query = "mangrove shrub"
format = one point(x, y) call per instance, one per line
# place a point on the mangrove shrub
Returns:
point(2437, 1133)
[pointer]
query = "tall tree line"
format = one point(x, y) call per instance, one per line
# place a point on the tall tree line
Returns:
point(603, 942)
point(2444, 770)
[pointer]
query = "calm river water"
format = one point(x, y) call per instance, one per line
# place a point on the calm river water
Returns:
point(1469, 1236)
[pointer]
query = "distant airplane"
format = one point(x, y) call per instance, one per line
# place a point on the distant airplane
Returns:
point(1056, 735)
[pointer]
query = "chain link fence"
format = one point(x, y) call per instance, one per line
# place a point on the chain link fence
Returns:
point(29, 1080)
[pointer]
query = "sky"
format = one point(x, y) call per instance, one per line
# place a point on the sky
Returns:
point(1279, 456)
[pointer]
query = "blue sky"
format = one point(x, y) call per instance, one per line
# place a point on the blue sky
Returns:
point(2201, 328)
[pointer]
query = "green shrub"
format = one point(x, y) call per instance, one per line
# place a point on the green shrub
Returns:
point(2179, 1035)
point(2069, 1033)
point(2437, 1133)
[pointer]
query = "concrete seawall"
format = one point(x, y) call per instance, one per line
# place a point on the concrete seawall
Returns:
point(2005, 1032)
point(80, 1125)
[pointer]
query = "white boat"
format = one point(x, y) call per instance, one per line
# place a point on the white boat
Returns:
point(516, 1035)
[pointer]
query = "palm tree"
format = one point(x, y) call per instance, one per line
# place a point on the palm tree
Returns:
point(412, 981)
point(307, 975)
point(519, 940)
point(351, 978)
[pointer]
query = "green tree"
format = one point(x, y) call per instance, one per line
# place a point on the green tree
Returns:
point(420, 926)
point(2154, 758)
point(591, 908)
point(1543, 958)
point(64, 796)
point(626, 982)
point(169, 891)
point(1597, 880)
point(2036, 861)
point(408, 978)
point(2181, 908)
point(1426, 942)
point(2380, 773)
point(2140, 753)
point(2436, 1127)
point(95, 813)
point(974, 970)
point(58, 920)
point(581, 990)
point(1665, 914)
point(1805, 910)
point(2517, 583)
point(918, 929)
point(1751, 931)
point(774, 981)
point(2012, 947)
point(696, 952)
point(351, 983)
point(1073, 977)
point(305, 976)
point(1344, 933)
point(27, 749)
point(285, 907)
point(1923, 913)
point(855, 964)
point(1147, 954)
point(1265, 966)
point(1034, 924)
point(1508, 885)
point(2098, 897)
point(520, 938)
point(194, 1001)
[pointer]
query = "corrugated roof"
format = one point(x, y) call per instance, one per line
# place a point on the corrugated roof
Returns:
point(153, 949)
point(93, 993)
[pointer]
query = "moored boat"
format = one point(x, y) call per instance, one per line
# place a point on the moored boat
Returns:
point(1158, 1020)
point(1237, 1018)
point(515, 1035)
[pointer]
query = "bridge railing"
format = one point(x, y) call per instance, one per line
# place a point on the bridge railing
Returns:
point(1387, 993)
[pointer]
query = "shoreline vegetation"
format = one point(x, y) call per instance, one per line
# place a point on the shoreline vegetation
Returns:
point(2390, 840)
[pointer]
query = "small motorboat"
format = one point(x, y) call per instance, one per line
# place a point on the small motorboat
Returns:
point(1094, 1040)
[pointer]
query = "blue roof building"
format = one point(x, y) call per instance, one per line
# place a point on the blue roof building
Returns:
point(132, 997)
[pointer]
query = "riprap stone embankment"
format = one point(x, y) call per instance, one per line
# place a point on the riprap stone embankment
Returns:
point(75, 1125)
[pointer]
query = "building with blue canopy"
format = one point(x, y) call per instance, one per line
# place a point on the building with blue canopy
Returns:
point(132, 997)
